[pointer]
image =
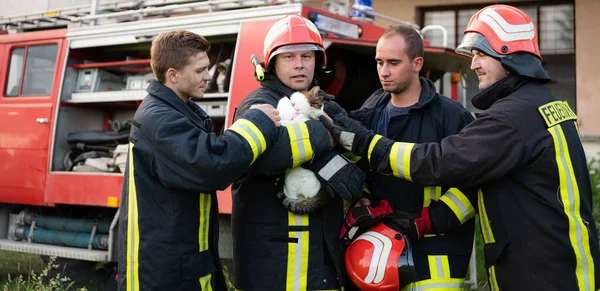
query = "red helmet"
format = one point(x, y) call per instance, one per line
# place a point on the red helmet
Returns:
point(380, 259)
point(293, 33)
point(499, 30)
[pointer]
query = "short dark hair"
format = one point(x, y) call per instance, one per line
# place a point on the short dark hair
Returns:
point(173, 49)
point(414, 42)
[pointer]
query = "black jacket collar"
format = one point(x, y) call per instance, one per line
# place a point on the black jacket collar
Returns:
point(190, 109)
point(502, 88)
point(274, 84)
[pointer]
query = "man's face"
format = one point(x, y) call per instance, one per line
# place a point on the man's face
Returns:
point(192, 79)
point(296, 69)
point(394, 67)
point(488, 69)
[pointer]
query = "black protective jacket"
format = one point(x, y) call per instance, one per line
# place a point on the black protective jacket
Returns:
point(168, 226)
point(274, 249)
point(431, 119)
point(535, 202)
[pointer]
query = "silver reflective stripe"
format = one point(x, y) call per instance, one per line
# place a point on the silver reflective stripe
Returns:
point(400, 160)
point(440, 267)
point(332, 167)
point(463, 208)
point(346, 140)
point(572, 211)
point(255, 138)
point(439, 286)
point(300, 142)
point(298, 256)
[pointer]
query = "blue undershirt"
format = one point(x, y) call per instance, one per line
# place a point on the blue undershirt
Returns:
point(388, 112)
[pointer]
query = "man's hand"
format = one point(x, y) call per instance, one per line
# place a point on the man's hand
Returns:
point(332, 108)
point(350, 134)
point(363, 216)
point(270, 111)
point(413, 226)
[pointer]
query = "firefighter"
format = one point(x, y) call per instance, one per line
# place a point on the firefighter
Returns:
point(168, 227)
point(273, 248)
point(523, 152)
point(408, 108)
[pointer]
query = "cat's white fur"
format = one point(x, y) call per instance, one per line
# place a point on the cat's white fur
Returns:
point(300, 183)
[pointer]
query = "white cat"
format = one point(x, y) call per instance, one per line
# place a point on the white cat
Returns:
point(302, 190)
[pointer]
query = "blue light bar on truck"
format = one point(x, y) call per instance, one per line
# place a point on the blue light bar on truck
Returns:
point(338, 27)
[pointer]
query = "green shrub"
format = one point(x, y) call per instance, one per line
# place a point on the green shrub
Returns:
point(594, 168)
point(44, 281)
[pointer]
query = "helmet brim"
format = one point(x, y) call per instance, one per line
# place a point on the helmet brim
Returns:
point(295, 48)
point(474, 40)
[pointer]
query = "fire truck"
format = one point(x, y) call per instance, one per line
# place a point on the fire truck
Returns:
point(71, 80)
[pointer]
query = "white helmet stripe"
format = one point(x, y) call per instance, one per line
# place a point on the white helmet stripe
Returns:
point(276, 30)
point(377, 249)
point(505, 30)
point(382, 246)
point(312, 27)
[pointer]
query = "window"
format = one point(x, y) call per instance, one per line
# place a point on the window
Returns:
point(35, 75)
point(555, 23)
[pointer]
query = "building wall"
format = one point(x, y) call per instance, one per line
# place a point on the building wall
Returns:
point(588, 64)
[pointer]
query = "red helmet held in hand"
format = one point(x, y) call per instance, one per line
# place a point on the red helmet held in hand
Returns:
point(380, 259)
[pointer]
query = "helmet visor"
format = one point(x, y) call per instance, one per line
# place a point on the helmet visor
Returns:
point(295, 48)
point(474, 40)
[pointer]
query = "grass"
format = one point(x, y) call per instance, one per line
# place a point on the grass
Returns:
point(25, 272)
point(47, 279)
point(18, 263)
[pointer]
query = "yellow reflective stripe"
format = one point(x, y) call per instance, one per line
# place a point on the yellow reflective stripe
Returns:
point(436, 285)
point(569, 195)
point(439, 267)
point(205, 283)
point(459, 204)
point(400, 159)
point(297, 265)
point(486, 229)
point(204, 224)
point(576, 127)
point(252, 135)
point(133, 231)
point(374, 141)
point(493, 281)
point(299, 143)
point(431, 193)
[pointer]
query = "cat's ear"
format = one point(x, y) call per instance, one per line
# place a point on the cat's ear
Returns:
point(315, 91)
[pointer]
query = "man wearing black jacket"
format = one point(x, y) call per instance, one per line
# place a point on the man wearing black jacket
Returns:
point(408, 109)
point(168, 226)
point(274, 248)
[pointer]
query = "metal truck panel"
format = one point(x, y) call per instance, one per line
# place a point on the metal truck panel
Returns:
point(208, 24)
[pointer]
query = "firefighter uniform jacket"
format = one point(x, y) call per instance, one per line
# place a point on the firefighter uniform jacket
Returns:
point(274, 249)
point(535, 203)
point(168, 223)
point(440, 260)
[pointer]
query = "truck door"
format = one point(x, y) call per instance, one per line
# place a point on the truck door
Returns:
point(28, 87)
